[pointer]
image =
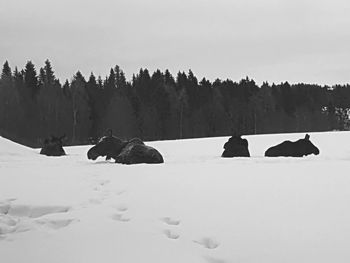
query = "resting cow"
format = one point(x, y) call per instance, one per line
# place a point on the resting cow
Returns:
point(298, 148)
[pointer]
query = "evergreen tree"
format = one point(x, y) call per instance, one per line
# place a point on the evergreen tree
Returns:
point(96, 104)
point(31, 79)
point(120, 79)
point(6, 71)
point(169, 79)
point(48, 73)
point(161, 103)
point(50, 102)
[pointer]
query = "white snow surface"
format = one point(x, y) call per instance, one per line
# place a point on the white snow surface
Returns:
point(196, 207)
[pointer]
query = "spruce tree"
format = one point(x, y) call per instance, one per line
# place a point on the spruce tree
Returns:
point(49, 74)
point(31, 79)
point(6, 71)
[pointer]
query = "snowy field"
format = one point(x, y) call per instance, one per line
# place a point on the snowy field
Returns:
point(197, 207)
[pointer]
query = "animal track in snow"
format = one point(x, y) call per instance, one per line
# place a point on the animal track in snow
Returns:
point(20, 218)
point(171, 234)
point(95, 201)
point(122, 208)
point(99, 184)
point(7, 220)
point(171, 221)
point(207, 242)
point(35, 211)
point(7, 225)
point(11, 199)
point(103, 182)
point(214, 260)
point(4, 208)
point(55, 223)
point(120, 218)
point(120, 192)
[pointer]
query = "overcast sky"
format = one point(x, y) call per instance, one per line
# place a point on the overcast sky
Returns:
point(272, 40)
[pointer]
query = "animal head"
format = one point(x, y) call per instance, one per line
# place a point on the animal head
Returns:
point(308, 147)
point(109, 146)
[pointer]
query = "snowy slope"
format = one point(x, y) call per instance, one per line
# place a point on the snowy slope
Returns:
point(197, 207)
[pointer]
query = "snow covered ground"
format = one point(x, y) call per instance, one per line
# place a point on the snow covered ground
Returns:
point(197, 207)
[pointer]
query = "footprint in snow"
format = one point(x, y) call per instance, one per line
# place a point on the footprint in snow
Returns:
point(171, 221)
point(207, 242)
point(99, 184)
point(95, 201)
point(11, 199)
point(214, 260)
point(120, 192)
point(31, 211)
point(120, 218)
point(19, 218)
point(104, 182)
point(55, 223)
point(171, 234)
point(121, 208)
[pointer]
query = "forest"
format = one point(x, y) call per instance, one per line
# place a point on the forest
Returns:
point(34, 105)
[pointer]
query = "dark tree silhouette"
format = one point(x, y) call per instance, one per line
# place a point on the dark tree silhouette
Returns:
point(158, 106)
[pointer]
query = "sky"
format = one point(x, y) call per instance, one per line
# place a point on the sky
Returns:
point(267, 40)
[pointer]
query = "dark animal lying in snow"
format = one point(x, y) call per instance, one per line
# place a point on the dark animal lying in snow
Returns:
point(126, 152)
point(299, 148)
point(136, 151)
point(53, 146)
point(236, 147)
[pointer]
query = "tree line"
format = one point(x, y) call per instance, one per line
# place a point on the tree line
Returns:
point(158, 106)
